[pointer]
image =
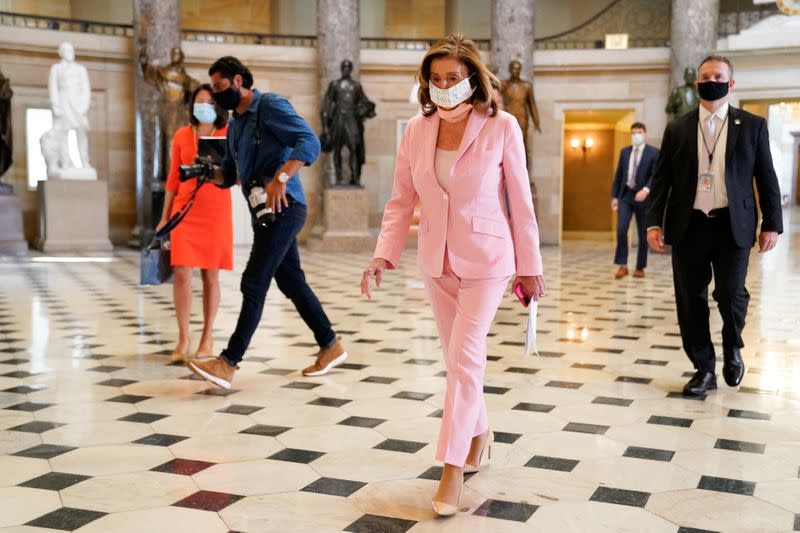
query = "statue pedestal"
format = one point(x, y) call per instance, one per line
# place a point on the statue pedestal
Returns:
point(73, 216)
point(12, 241)
point(345, 221)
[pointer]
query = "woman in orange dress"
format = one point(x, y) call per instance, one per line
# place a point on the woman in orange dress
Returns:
point(204, 238)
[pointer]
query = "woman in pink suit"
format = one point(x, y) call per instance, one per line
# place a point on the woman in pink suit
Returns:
point(460, 159)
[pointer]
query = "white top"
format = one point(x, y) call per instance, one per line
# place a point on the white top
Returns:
point(719, 189)
point(443, 164)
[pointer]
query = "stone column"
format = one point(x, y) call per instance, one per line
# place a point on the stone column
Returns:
point(512, 36)
point(344, 215)
point(157, 29)
point(694, 34)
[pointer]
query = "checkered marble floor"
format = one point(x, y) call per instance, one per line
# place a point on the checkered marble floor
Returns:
point(99, 433)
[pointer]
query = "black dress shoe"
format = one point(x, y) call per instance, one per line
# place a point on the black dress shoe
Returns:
point(700, 384)
point(733, 368)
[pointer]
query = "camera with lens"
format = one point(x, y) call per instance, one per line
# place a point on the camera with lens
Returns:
point(201, 170)
point(258, 202)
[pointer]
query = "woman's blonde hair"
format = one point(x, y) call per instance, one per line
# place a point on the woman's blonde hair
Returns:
point(459, 47)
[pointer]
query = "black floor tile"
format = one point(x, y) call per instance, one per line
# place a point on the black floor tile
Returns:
point(434, 473)
point(797, 522)
point(236, 409)
point(495, 390)
point(330, 402)
point(564, 384)
point(277, 371)
point(732, 486)
point(694, 530)
point(160, 439)
point(379, 379)
point(265, 431)
point(670, 421)
point(649, 453)
point(129, 398)
point(116, 382)
point(206, 500)
point(406, 395)
point(24, 389)
point(53, 481)
point(142, 418)
point(397, 445)
point(29, 407)
point(506, 438)
point(577, 427)
point(293, 455)
point(518, 512)
point(535, 407)
point(652, 362)
point(36, 427)
point(105, 368)
point(66, 519)
point(302, 385)
point(619, 402)
point(362, 422)
point(552, 463)
point(370, 523)
point(351, 366)
point(44, 451)
point(632, 498)
point(633, 379)
point(183, 467)
point(421, 362)
point(587, 366)
point(740, 446)
point(752, 415)
point(522, 370)
point(334, 487)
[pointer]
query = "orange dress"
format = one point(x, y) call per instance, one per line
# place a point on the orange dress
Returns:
point(204, 238)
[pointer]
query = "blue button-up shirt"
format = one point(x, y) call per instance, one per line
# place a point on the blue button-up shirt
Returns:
point(284, 136)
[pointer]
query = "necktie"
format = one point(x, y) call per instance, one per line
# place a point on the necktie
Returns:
point(705, 199)
point(632, 177)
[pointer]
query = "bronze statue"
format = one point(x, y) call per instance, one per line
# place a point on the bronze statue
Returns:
point(5, 130)
point(344, 110)
point(519, 101)
point(684, 98)
point(175, 88)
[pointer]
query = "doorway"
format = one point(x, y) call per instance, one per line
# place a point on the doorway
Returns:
point(591, 145)
point(783, 123)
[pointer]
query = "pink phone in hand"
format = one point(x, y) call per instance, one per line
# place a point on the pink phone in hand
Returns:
point(520, 293)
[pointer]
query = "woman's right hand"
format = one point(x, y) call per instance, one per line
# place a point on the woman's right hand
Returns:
point(374, 268)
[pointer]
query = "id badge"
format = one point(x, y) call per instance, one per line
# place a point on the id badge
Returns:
point(705, 182)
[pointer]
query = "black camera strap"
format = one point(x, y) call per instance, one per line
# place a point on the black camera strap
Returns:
point(175, 219)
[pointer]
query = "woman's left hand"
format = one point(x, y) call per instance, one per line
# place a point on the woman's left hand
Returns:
point(533, 286)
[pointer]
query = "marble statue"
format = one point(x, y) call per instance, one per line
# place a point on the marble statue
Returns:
point(5, 130)
point(70, 96)
point(344, 110)
point(684, 98)
point(175, 87)
point(519, 101)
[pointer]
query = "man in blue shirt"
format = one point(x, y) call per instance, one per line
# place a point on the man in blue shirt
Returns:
point(268, 143)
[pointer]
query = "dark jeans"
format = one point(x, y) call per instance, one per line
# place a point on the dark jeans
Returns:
point(627, 207)
point(709, 248)
point(275, 254)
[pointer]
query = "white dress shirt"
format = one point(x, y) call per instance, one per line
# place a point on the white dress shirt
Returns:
point(719, 188)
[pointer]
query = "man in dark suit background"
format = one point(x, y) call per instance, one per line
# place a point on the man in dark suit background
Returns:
point(703, 203)
point(628, 197)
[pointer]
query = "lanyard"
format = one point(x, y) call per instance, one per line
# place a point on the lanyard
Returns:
point(719, 134)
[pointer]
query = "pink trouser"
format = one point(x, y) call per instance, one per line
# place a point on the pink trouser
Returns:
point(464, 310)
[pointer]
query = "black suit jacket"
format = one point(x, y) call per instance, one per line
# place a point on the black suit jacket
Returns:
point(644, 174)
point(747, 156)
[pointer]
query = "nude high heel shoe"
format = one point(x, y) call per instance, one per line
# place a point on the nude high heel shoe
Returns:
point(487, 447)
point(446, 509)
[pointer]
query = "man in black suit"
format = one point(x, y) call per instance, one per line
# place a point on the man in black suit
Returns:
point(628, 195)
point(702, 202)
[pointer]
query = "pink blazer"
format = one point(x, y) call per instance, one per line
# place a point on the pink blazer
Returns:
point(484, 239)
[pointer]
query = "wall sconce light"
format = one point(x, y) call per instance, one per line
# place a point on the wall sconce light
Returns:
point(586, 145)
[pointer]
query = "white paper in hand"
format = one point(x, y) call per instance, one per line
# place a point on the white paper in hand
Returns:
point(530, 337)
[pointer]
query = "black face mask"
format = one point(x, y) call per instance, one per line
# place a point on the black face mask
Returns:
point(228, 99)
point(712, 90)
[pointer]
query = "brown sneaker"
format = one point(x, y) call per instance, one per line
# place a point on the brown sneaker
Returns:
point(327, 359)
point(639, 273)
point(216, 371)
point(621, 273)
